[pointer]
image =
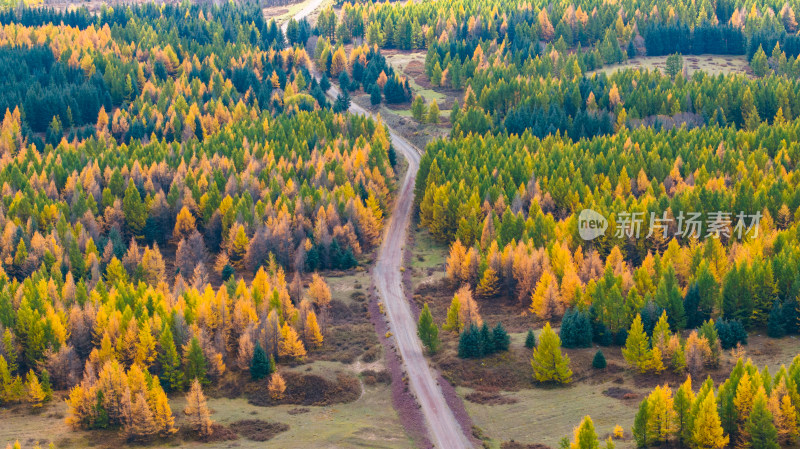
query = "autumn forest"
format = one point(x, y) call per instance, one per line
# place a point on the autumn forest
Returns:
point(471, 223)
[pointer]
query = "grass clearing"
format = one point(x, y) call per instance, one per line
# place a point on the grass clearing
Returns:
point(428, 258)
point(350, 283)
point(544, 416)
point(711, 64)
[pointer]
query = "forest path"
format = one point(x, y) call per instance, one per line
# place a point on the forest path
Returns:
point(445, 430)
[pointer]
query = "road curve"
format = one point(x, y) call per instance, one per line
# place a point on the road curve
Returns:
point(445, 431)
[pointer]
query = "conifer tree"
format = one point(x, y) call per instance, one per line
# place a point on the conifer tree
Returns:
point(683, 410)
point(530, 339)
point(549, 364)
point(140, 425)
point(585, 435)
point(637, 346)
point(760, 427)
point(259, 365)
point(501, 339)
point(639, 429)
point(290, 345)
point(35, 394)
point(171, 375)
point(312, 330)
point(427, 330)
point(599, 360)
point(708, 433)
point(195, 365)
point(453, 322)
point(276, 387)
point(197, 412)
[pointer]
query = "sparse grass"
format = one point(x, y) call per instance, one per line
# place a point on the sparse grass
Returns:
point(343, 287)
point(368, 422)
point(428, 258)
point(546, 415)
point(711, 64)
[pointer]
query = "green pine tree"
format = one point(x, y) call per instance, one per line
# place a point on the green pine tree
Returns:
point(195, 365)
point(760, 428)
point(171, 377)
point(530, 340)
point(428, 331)
point(259, 364)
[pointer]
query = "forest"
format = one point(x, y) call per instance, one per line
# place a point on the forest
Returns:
point(197, 203)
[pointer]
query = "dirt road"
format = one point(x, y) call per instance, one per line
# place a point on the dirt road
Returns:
point(308, 8)
point(444, 429)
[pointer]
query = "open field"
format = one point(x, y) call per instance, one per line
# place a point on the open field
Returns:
point(370, 421)
point(544, 416)
point(711, 64)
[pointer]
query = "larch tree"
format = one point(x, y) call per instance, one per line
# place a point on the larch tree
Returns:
point(35, 393)
point(661, 414)
point(197, 412)
point(637, 350)
point(313, 333)
point(585, 435)
point(549, 364)
point(682, 403)
point(139, 425)
point(184, 225)
point(276, 387)
point(708, 433)
point(290, 345)
point(453, 322)
point(427, 331)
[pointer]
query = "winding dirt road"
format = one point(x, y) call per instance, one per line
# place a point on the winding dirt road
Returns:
point(444, 429)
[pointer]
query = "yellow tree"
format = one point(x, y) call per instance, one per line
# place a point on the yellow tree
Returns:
point(35, 392)
point(146, 347)
point(468, 308)
point(313, 334)
point(197, 412)
point(660, 414)
point(162, 412)
point(140, 425)
point(708, 433)
point(339, 62)
point(290, 345)
point(549, 364)
point(276, 387)
point(184, 224)
point(453, 321)
point(487, 287)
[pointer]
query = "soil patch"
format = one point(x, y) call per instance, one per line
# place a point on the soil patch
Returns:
point(309, 389)
point(620, 393)
point(258, 430)
point(489, 398)
point(218, 433)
